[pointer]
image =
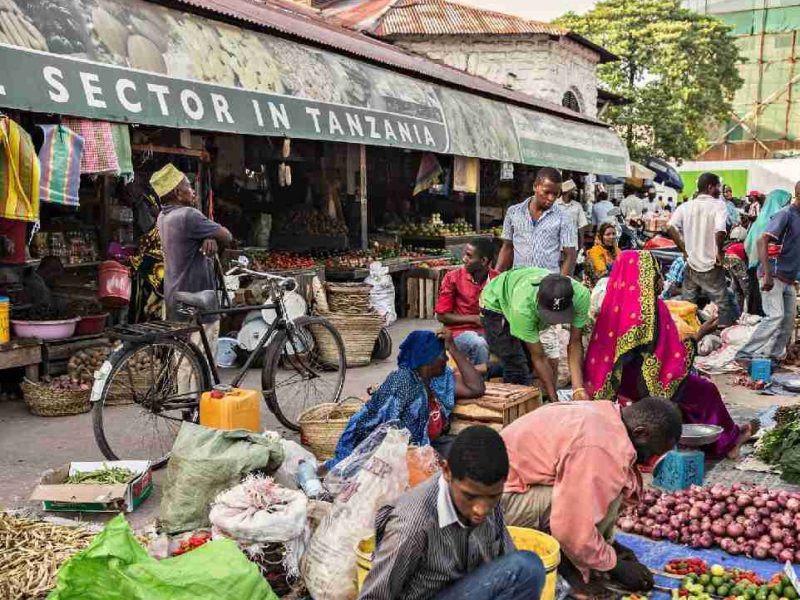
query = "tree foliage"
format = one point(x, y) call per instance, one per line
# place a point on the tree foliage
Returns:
point(676, 66)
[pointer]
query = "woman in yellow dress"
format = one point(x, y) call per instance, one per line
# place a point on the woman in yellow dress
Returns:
point(604, 252)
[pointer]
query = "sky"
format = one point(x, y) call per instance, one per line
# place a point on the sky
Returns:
point(540, 10)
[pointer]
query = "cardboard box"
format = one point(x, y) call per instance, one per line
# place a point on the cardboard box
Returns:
point(56, 495)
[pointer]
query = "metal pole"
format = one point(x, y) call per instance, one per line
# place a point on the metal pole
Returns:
point(478, 199)
point(362, 195)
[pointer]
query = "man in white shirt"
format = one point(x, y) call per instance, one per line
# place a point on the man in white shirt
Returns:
point(600, 209)
point(698, 228)
point(632, 206)
point(650, 205)
point(574, 208)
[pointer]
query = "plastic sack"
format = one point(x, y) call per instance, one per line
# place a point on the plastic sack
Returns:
point(205, 462)
point(709, 344)
point(329, 564)
point(343, 473)
point(116, 567)
point(293, 455)
point(381, 297)
point(423, 463)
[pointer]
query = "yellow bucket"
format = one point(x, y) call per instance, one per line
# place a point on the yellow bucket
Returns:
point(545, 546)
point(5, 309)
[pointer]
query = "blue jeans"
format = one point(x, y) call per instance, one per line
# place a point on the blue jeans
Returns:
point(772, 334)
point(474, 346)
point(515, 576)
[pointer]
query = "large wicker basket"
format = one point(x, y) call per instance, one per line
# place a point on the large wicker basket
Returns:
point(349, 298)
point(45, 401)
point(322, 425)
point(358, 333)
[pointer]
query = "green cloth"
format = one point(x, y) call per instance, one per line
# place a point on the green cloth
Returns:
point(122, 146)
point(116, 567)
point(515, 294)
point(776, 200)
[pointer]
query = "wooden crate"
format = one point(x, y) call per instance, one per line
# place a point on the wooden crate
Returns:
point(422, 290)
point(502, 404)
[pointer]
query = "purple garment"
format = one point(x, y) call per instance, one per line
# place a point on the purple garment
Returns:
point(700, 403)
point(183, 230)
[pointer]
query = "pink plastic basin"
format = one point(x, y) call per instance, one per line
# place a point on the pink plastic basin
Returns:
point(45, 330)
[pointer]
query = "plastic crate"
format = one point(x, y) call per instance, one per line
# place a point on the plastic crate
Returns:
point(679, 469)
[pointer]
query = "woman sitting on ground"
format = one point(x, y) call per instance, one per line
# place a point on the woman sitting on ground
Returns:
point(604, 252)
point(420, 394)
point(635, 351)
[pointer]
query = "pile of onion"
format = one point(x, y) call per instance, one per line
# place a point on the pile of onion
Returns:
point(739, 519)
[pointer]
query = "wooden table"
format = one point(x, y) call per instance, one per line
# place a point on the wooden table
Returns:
point(22, 352)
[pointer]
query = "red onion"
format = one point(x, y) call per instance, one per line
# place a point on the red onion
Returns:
point(637, 528)
point(661, 519)
point(750, 511)
point(744, 500)
point(751, 533)
point(786, 555)
point(626, 524)
point(673, 535)
point(718, 528)
point(675, 521)
point(793, 504)
point(797, 556)
point(694, 513)
point(734, 530)
point(733, 509)
point(771, 505)
point(694, 527)
point(788, 541)
point(765, 512)
point(785, 519)
point(734, 549)
point(776, 534)
point(759, 502)
point(736, 487)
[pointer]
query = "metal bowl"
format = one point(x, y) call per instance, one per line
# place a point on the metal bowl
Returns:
point(700, 435)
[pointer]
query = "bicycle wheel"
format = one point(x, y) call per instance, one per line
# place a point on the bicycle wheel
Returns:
point(148, 393)
point(302, 369)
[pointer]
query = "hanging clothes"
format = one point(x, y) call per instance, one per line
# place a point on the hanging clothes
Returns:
point(122, 147)
point(465, 174)
point(19, 173)
point(428, 174)
point(60, 157)
point(99, 155)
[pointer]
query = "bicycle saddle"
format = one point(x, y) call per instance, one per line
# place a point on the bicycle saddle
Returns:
point(205, 300)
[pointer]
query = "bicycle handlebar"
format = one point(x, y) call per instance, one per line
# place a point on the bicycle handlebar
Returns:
point(287, 283)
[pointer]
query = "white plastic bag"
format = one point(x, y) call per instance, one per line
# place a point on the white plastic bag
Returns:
point(293, 455)
point(381, 298)
point(329, 564)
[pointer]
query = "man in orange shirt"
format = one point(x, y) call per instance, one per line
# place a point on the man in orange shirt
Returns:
point(572, 465)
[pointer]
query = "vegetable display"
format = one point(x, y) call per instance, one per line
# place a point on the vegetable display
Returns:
point(734, 584)
point(66, 383)
point(194, 541)
point(780, 445)
point(435, 227)
point(82, 365)
point(104, 476)
point(741, 520)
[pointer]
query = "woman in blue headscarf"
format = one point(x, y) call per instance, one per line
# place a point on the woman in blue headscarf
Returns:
point(776, 200)
point(420, 394)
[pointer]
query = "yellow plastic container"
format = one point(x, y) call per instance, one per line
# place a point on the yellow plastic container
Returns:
point(542, 544)
point(5, 310)
point(231, 408)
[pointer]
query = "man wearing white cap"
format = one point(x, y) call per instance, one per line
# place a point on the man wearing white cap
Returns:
point(189, 242)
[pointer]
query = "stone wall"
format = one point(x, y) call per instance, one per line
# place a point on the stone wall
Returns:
point(536, 64)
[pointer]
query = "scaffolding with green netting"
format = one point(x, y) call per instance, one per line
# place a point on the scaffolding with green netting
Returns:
point(766, 109)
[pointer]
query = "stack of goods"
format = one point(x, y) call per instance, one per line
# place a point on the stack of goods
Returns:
point(780, 446)
point(82, 365)
point(31, 553)
point(435, 227)
point(701, 582)
point(279, 261)
point(310, 222)
point(500, 406)
point(355, 319)
point(741, 520)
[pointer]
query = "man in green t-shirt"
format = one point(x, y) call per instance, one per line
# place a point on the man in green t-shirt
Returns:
point(516, 306)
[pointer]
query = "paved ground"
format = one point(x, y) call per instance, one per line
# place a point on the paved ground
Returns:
point(29, 444)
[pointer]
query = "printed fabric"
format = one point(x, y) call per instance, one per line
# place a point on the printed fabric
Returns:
point(633, 320)
point(402, 396)
point(60, 158)
point(19, 173)
point(99, 155)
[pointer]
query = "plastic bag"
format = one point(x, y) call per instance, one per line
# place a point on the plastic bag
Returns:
point(116, 567)
point(381, 297)
point(293, 455)
point(343, 473)
point(329, 564)
point(423, 463)
point(205, 462)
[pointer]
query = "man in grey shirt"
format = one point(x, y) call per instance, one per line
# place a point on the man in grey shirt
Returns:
point(446, 539)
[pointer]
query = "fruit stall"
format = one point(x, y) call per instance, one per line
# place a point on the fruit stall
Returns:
point(434, 233)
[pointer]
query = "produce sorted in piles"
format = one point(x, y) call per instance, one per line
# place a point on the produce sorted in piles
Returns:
point(84, 363)
point(281, 261)
point(435, 227)
point(31, 553)
point(684, 566)
point(735, 584)
point(781, 445)
point(66, 383)
point(192, 542)
point(105, 476)
point(741, 520)
point(311, 222)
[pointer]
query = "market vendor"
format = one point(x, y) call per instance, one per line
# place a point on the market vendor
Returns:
point(446, 539)
point(572, 465)
point(457, 307)
point(516, 307)
point(420, 394)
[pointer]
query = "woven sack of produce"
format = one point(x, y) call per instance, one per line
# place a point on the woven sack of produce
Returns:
point(322, 425)
point(59, 398)
point(358, 332)
point(349, 298)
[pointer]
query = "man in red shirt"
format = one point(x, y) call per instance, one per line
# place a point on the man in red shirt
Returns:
point(457, 307)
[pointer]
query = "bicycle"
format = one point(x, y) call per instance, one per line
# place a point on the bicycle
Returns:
point(158, 373)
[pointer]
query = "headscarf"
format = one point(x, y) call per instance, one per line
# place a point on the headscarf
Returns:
point(419, 348)
point(601, 257)
point(633, 319)
point(776, 200)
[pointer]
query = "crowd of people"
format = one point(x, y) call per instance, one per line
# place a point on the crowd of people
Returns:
point(565, 468)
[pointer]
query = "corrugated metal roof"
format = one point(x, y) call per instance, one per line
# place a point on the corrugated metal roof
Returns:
point(436, 17)
point(300, 22)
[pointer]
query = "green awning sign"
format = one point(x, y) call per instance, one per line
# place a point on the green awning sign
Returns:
point(140, 62)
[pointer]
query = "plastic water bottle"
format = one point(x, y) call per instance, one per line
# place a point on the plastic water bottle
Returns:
point(307, 479)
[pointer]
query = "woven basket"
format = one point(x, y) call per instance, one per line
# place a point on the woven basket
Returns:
point(349, 298)
point(321, 426)
point(119, 395)
point(44, 401)
point(358, 333)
